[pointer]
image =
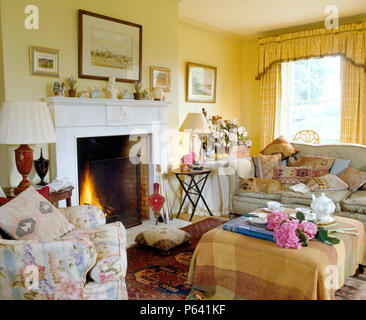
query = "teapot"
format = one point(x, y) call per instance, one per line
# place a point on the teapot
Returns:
point(323, 207)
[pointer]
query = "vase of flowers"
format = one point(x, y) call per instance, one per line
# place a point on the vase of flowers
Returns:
point(228, 136)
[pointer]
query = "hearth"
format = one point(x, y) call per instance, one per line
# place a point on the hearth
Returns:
point(110, 177)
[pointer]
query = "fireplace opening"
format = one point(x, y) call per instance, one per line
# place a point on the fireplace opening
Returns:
point(112, 179)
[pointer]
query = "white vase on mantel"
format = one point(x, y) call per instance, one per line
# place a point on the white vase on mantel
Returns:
point(111, 90)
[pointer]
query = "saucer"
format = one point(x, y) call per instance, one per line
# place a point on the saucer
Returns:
point(261, 219)
point(308, 216)
point(270, 211)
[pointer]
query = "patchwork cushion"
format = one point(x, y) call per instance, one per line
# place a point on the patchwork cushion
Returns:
point(293, 175)
point(280, 146)
point(297, 198)
point(327, 182)
point(354, 178)
point(45, 191)
point(110, 243)
point(339, 166)
point(162, 238)
point(356, 202)
point(320, 165)
point(265, 164)
point(30, 216)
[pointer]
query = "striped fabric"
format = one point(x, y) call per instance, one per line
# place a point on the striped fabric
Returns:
point(228, 265)
point(265, 165)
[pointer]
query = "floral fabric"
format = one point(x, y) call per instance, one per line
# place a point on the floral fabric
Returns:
point(30, 216)
point(110, 243)
point(320, 165)
point(84, 217)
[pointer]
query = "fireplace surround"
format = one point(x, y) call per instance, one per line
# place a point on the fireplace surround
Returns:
point(75, 118)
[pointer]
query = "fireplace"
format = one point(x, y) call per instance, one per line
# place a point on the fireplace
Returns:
point(86, 120)
point(109, 176)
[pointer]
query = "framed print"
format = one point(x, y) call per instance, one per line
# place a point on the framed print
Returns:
point(200, 83)
point(160, 78)
point(109, 47)
point(44, 61)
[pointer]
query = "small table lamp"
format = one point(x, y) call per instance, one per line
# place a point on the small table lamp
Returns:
point(195, 123)
point(25, 123)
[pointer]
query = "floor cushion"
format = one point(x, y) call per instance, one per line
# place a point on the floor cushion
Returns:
point(289, 197)
point(163, 238)
point(356, 202)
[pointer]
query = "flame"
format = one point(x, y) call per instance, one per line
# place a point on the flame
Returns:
point(88, 194)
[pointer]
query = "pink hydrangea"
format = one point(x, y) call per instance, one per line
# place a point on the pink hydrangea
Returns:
point(275, 218)
point(286, 236)
point(309, 229)
point(189, 158)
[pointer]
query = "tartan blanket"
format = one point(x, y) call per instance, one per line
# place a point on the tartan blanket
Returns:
point(227, 265)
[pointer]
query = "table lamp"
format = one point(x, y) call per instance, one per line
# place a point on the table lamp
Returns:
point(195, 123)
point(25, 123)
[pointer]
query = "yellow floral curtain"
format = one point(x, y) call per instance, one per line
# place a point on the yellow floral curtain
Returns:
point(349, 41)
point(270, 104)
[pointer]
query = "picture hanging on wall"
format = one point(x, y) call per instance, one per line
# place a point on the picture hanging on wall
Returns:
point(160, 78)
point(44, 61)
point(109, 47)
point(200, 83)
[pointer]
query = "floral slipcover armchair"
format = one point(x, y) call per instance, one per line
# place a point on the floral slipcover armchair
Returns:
point(89, 262)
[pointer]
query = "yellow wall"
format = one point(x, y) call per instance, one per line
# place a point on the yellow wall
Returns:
point(59, 29)
point(250, 92)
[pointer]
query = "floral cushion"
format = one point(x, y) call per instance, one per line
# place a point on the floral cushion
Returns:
point(320, 165)
point(280, 146)
point(327, 182)
point(354, 178)
point(30, 216)
point(265, 165)
point(110, 243)
point(85, 216)
point(162, 238)
point(293, 175)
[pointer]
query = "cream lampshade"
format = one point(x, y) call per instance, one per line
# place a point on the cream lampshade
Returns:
point(25, 123)
point(195, 123)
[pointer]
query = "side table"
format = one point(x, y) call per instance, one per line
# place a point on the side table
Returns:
point(193, 187)
point(64, 194)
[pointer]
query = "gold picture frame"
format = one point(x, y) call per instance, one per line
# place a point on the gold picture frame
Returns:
point(44, 61)
point(200, 83)
point(160, 77)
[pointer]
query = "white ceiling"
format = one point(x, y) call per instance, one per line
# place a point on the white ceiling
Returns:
point(248, 17)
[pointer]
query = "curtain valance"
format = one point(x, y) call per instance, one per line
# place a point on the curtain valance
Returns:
point(348, 40)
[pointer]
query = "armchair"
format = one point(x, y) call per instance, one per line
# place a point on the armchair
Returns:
point(88, 263)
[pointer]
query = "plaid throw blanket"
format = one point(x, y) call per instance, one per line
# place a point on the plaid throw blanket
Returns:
point(228, 265)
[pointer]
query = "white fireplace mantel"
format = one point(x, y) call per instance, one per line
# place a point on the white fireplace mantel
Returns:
point(86, 117)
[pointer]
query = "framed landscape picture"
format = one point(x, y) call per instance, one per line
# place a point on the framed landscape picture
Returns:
point(109, 47)
point(200, 83)
point(44, 61)
point(160, 78)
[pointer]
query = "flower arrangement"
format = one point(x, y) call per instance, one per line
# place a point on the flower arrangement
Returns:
point(227, 133)
point(71, 81)
point(294, 233)
point(189, 159)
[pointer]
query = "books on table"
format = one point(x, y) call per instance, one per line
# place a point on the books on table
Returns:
point(241, 225)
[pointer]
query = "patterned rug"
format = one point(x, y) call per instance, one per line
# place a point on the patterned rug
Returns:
point(151, 276)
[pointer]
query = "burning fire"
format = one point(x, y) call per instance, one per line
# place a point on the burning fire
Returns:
point(88, 194)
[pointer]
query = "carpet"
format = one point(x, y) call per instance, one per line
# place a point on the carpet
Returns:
point(151, 276)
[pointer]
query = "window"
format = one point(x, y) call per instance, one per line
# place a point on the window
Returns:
point(311, 98)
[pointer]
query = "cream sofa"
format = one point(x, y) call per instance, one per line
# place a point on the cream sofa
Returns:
point(348, 204)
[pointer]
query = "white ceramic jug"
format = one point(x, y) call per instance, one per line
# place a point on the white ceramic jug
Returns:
point(323, 207)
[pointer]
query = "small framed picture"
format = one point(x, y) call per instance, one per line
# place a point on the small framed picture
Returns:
point(44, 61)
point(200, 83)
point(160, 78)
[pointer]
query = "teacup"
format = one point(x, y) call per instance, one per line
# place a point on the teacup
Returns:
point(274, 206)
point(305, 211)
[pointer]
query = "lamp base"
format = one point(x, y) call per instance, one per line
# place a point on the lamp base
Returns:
point(24, 162)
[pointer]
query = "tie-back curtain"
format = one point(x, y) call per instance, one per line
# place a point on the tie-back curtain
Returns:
point(348, 40)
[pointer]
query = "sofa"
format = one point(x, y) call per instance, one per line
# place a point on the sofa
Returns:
point(88, 263)
point(348, 204)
